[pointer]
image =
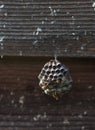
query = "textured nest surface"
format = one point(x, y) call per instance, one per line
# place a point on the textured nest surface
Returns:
point(55, 79)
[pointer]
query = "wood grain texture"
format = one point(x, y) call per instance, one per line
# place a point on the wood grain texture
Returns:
point(37, 28)
point(23, 106)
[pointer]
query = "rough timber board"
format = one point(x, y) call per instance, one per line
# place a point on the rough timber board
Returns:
point(32, 28)
point(23, 106)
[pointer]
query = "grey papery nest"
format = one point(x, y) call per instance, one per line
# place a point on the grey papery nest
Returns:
point(55, 79)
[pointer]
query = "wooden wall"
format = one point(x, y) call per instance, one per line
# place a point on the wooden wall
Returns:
point(34, 31)
point(32, 28)
point(23, 105)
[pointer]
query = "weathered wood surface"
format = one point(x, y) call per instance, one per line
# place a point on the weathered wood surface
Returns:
point(47, 27)
point(23, 106)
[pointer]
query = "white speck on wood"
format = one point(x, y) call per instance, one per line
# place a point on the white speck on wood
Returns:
point(68, 12)
point(37, 33)
point(36, 41)
point(78, 26)
point(21, 100)
point(12, 101)
point(1, 44)
point(93, 5)
point(73, 34)
point(50, 7)
point(1, 38)
point(65, 50)
point(4, 26)
point(44, 116)
point(1, 6)
point(19, 117)
point(5, 14)
point(82, 48)
point(90, 87)
point(85, 113)
point(73, 17)
point(85, 32)
point(33, 33)
point(77, 38)
point(37, 117)
point(40, 117)
point(49, 125)
point(2, 48)
point(80, 116)
point(2, 56)
point(39, 29)
point(66, 122)
point(20, 53)
point(83, 127)
point(52, 22)
point(1, 96)
point(43, 22)
point(18, 79)
point(52, 11)
point(11, 93)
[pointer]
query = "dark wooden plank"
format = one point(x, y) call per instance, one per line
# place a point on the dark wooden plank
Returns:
point(32, 28)
point(23, 106)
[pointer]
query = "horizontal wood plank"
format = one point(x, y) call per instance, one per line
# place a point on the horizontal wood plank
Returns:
point(37, 28)
point(23, 105)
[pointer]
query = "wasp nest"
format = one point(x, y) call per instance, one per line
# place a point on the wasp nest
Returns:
point(55, 79)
